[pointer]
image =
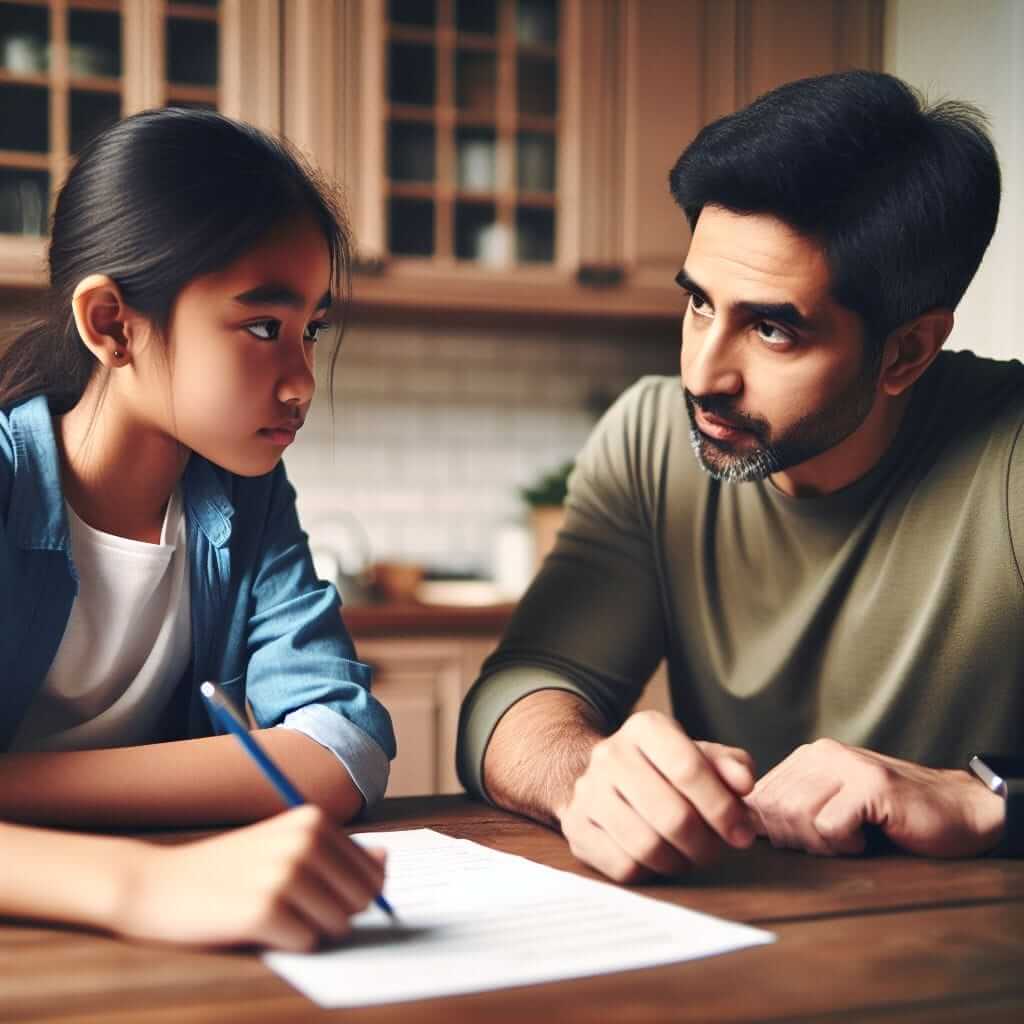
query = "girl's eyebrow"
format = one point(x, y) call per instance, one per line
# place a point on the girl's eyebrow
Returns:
point(275, 294)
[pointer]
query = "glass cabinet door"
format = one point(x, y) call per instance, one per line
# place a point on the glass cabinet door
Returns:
point(191, 47)
point(63, 80)
point(60, 83)
point(472, 111)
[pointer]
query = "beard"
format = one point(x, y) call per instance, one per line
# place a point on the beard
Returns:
point(809, 436)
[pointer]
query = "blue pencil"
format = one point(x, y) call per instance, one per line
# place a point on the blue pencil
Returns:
point(230, 720)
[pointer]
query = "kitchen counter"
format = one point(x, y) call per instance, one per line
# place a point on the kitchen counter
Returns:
point(414, 618)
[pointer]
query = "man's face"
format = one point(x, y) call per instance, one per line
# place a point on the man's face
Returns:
point(775, 373)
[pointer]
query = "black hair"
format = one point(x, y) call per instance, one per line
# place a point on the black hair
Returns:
point(902, 196)
point(153, 202)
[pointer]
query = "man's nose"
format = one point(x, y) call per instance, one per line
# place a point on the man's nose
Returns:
point(709, 363)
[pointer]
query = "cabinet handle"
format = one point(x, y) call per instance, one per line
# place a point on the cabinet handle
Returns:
point(600, 275)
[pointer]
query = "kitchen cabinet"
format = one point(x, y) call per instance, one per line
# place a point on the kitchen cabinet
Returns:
point(421, 681)
point(494, 168)
point(496, 156)
point(70, 68)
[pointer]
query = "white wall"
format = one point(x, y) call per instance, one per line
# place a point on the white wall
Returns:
point(974, 50)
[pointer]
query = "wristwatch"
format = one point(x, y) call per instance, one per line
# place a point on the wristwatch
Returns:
point(1004, 774)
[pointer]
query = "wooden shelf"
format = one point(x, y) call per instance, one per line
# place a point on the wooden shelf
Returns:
point(105, 6)
point(24, 161)
point(411, 112)
point(537, 50)
point(191, 93)
point(95, 83)
point(535, 200)
point(192, 12)
point(37, 78)
point(410, 34)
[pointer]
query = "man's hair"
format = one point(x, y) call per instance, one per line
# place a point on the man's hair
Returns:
point(902, 196)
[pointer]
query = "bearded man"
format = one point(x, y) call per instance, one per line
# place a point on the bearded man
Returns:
point(819, 526)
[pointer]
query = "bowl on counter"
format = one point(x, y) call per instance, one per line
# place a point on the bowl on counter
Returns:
point(459, 593)
point(396, 581)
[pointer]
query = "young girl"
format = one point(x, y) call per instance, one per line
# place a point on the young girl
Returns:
point(149, 542)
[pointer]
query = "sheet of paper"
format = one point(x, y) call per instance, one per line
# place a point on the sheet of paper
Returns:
point(474, 919)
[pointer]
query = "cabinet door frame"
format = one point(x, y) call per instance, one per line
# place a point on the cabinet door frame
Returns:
point(247, 89)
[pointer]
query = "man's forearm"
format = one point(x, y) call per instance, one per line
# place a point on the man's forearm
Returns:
point(539, 748)
point(185, 783)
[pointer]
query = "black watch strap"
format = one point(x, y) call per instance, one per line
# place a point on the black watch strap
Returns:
point(1012, 844)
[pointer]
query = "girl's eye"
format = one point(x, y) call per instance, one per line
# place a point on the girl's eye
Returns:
point(265, 330)
point(314, 328)
point(771, 335)
point(700, 306)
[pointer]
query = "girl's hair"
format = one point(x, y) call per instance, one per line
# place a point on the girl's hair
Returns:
point(153, 202)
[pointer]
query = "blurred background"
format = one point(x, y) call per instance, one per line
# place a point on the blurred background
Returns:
point(504, 165)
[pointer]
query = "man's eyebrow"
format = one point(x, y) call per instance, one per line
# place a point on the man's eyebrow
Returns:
point(684, 280)
point(274, 294)
point(782, 312)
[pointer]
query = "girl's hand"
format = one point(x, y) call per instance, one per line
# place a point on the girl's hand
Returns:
point(287, 882)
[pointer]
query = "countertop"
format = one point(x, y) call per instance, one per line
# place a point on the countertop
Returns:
point(390, 618)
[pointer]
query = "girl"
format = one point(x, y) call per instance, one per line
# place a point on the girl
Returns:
point(149, 539)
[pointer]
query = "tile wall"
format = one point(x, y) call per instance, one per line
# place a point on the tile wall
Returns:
point(435, 429)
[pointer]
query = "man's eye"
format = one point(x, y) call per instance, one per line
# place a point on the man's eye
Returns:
point(773, 335)
point(314, 328)
point(265, 330)
point(700, 306)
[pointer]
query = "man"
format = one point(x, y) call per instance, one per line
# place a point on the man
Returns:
point(835, 578)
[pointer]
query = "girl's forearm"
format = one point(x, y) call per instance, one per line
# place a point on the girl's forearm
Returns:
point(186, 783)
point(286, 883)
point(58, 876)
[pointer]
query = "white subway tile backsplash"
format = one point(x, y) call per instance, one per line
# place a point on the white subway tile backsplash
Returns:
point(435, 430)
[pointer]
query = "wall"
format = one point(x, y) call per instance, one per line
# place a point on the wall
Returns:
point(972, 51)
point(436, 428)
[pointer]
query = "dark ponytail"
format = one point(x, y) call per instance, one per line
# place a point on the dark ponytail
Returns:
point(155, 201)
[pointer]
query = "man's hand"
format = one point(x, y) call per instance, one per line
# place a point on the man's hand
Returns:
point(820, 797)
point(654, 802)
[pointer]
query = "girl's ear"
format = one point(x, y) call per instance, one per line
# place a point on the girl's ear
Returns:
point(105, 324)
point(910, 349)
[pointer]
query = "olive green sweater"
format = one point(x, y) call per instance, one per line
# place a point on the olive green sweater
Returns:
point(888, 615)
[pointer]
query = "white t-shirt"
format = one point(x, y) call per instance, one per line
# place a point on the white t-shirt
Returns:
point(126, 645)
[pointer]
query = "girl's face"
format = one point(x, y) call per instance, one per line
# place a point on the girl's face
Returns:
point(238, 378)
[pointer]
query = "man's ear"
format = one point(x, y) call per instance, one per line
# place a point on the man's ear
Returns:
point(105, 324)
point(911, 348)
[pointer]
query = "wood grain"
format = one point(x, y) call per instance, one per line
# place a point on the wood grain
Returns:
point(881, 938)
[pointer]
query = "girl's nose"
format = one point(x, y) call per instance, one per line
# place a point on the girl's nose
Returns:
point(298, 382)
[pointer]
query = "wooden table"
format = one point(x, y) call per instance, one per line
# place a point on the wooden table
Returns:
point(884, 938)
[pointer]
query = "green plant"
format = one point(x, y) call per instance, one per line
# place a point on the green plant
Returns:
point(550, 489)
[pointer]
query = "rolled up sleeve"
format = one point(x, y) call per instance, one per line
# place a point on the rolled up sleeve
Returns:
point(364, 759)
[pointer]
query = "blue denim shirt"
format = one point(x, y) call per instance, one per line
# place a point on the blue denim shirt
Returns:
point(263, 625)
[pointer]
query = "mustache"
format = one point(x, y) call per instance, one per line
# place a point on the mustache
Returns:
point(722, 407)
